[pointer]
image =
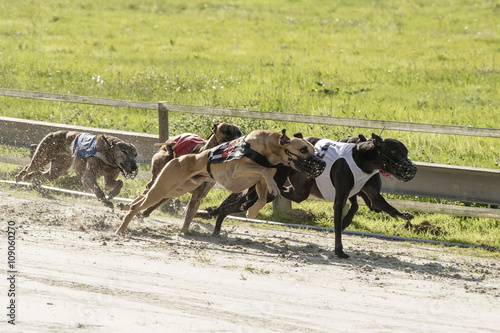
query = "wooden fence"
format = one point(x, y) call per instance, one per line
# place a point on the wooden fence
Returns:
point(432, 180)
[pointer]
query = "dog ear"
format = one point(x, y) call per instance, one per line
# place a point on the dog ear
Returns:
point(362, 138)
point(283, 138)
point(377, 140)
point(298, 135)
point(102, 144)
point(214, 127)
point(110, 144)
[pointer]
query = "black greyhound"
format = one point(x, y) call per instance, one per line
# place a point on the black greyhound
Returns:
point(389, 155)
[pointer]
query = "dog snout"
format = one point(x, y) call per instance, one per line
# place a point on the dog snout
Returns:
point(129, 165)
point(405, 170)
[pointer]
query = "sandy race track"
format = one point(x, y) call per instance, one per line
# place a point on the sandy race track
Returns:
point(75, 275)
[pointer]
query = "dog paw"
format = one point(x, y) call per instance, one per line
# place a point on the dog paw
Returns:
point(407, 216)
point(341, 254)
point(108, 204)
point(123, 206)
point(273, 190)
point(203, 215)
point(252, 213)
point(119, 232)
point(36, 184)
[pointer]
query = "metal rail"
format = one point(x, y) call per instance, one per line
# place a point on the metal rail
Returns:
point(432, 180)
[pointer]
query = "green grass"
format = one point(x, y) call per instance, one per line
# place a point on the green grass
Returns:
point(412, 61)
point(390, 60)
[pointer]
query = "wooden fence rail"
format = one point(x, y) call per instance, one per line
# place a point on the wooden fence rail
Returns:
point(327, 120)
point(273, 116)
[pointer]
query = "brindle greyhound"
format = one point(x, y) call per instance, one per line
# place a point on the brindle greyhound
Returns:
point(91, 156)
point(369, 156)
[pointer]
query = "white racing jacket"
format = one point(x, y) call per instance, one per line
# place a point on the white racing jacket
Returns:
point(333, 151)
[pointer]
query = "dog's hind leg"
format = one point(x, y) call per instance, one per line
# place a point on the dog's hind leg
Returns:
point(58, 167)
point(261, 187)
point(126, 220)
point(39, 160)
point(234, 203)
point(347, 219)
point(194, 203)
point(159, 160)
point(123, 206)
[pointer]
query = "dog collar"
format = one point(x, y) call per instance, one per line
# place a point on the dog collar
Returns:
point(126, 175)
point(102, 158)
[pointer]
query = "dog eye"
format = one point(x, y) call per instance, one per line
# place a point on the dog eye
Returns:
point(303, 150)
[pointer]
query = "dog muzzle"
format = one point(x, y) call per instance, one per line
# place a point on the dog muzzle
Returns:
point(313, 166)
point(129, 174)
point(404, 170)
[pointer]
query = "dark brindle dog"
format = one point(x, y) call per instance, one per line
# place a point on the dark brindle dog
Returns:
point(91, 156)
point(354, 171)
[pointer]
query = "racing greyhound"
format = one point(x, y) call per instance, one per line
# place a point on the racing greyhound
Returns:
point(354, 170)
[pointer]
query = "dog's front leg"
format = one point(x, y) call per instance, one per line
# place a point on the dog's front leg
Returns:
point(90, 180)
point(111, 183)
point(378, 202)
point(261, 189)
point(347, 220)
point(338, 207)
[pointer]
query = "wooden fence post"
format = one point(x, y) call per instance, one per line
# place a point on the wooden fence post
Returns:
point(281, 205)
point(162, 122)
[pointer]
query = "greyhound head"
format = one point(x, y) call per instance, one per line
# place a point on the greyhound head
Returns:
point(225, 132)
point(394, 156)
point(301, 155)
point(123, 155)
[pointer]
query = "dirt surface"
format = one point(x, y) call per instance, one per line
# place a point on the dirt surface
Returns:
point(74, 274)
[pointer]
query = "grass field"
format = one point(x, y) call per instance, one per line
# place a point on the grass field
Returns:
point(416, 61)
